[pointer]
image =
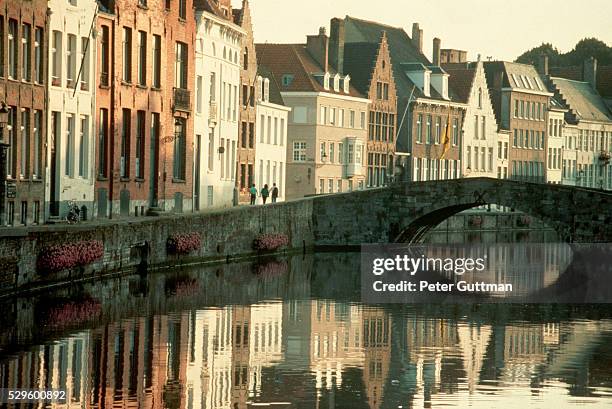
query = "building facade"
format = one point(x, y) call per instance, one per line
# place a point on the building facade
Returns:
point(555, 143)
point(271, 144)
point(249, 93)
point(479, 145)
point(521, 104)
point(327, 132)
point(375, 80)
point(144, 101)
point(217, 114)
point(23, 76)
point(71, 106)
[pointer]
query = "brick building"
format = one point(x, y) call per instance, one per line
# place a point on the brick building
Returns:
point(23, 76)
point(371, 71)
point(249, 95)
point(145, 128)
point(521, 103)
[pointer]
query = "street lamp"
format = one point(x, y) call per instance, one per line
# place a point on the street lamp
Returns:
point(4, 113)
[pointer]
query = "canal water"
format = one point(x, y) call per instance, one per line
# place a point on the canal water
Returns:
point(292, 333)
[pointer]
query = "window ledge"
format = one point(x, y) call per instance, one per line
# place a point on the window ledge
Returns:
point(154, 88)
point(142, 86)
point(142, 6)
point(127, 83)
point(103, 86)
point(140, 180)
point(180, 181)
point(124, 179)
point(102, 179)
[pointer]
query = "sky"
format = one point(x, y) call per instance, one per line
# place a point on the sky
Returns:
point(501, 29)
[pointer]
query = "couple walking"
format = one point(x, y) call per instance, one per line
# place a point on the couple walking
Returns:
point(265, 193)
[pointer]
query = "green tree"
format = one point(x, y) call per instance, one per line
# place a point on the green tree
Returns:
point(584, 49)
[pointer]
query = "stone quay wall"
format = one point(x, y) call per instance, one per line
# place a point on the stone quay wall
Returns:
point(226, 235)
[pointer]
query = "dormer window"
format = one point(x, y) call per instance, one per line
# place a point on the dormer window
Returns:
point(326, 81)
point(337, 83)
point(260, 87)
point(347, 84)
point(266, 90)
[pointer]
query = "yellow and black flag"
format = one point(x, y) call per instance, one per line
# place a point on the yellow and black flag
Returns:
point(446, 143)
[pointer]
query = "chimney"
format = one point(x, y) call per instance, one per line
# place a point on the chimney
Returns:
point(542, 66)
point(336, 45)
point(589, 72)
point(437, 44)
point(417, 37)
point(318, 47)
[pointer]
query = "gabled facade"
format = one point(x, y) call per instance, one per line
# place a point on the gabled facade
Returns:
point(371, 73)
point(423, 97)
point(23, 87)
point(217, 106)
point(249, 93)
point(71, 106)
point(480, 145)
point(327, 132)
point(521, 103)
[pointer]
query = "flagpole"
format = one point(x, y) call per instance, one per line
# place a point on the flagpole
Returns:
point(399, 128)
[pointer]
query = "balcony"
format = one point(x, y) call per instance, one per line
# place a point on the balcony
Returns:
point(182, 100)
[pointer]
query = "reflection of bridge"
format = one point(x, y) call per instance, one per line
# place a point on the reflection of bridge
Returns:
point(405, 212)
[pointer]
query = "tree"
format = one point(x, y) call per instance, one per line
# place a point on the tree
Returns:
point(584, 49)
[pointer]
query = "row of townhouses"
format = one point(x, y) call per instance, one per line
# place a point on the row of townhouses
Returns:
point(135, 107)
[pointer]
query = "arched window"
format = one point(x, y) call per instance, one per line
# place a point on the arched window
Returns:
point(246, 58)
point(480, 98)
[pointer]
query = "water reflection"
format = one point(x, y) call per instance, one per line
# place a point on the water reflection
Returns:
point(223, 337)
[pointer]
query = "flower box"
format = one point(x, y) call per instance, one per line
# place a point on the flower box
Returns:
point(184, 243)
point(60, 257)
point(270, 241)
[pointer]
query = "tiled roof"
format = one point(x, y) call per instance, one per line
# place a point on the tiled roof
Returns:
point(461, 81)
point(582, 99)
point(209, 6)
point(604, 77)
point(274, 91)
point(359, 60)
point(294, 60)
point(401, 49)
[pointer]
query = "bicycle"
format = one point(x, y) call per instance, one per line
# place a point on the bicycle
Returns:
point(74, 213)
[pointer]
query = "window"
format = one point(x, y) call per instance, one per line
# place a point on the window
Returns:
point(490, 160)
point(36, 212)
point(156, 61)
point(282, 132)
point(339, 186)
point(70, 60)
point(352, 119)
point(12, 49)
point(299, 151)
point(69, 146)
point(104, 57)
point(428, 130)
point(10, 213)
point(37, 143)
point(332, 116)
point(83, 146)
point(480, 98)
point(331, 152)
point(126, 136)
point(211, 150)
point(2, 46)
point(323, 152)
point(340, 153)
point(482, 159)
point(181, 65)
point(419, 129)
point(127, 54)
point(102, 143)
point(180, 145)
point(24, 165)
point(199, 93)
point(476, 125)
point(85, 63)
point(341, 118)
point(483, 133)
point(438, 130)
point(183, 9)
point(362, 123)
point(323, 116)
point(330, 185)
point(26, 52)
point(142, 58)
point(516, 108)
point(287, 80)
point(251, 135)
point(24, 213)
point(455, 132)
point(275, 131)
point(499, 150)
point(142, 3)
point(140, 144)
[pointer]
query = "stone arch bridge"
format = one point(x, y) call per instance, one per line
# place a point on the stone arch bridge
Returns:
point(405, 212)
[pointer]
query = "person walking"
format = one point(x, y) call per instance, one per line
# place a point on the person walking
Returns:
point(265, 192)
point(274, 193)
point(253, 192)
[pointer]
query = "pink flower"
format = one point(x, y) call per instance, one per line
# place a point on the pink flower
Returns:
point(184, 243)
point(270, 241)
point(60, 257)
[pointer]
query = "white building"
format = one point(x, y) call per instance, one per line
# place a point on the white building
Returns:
point(587, 138)
point(556, 126)
point(271, 144)
point(217, 70)
point(480, 142)
point(71, 105)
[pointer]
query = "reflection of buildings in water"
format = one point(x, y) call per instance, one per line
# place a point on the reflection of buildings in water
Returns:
point(377, 350)
point(473, 341)
point(523, 351)
point(266, 341)
point(336, 341)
